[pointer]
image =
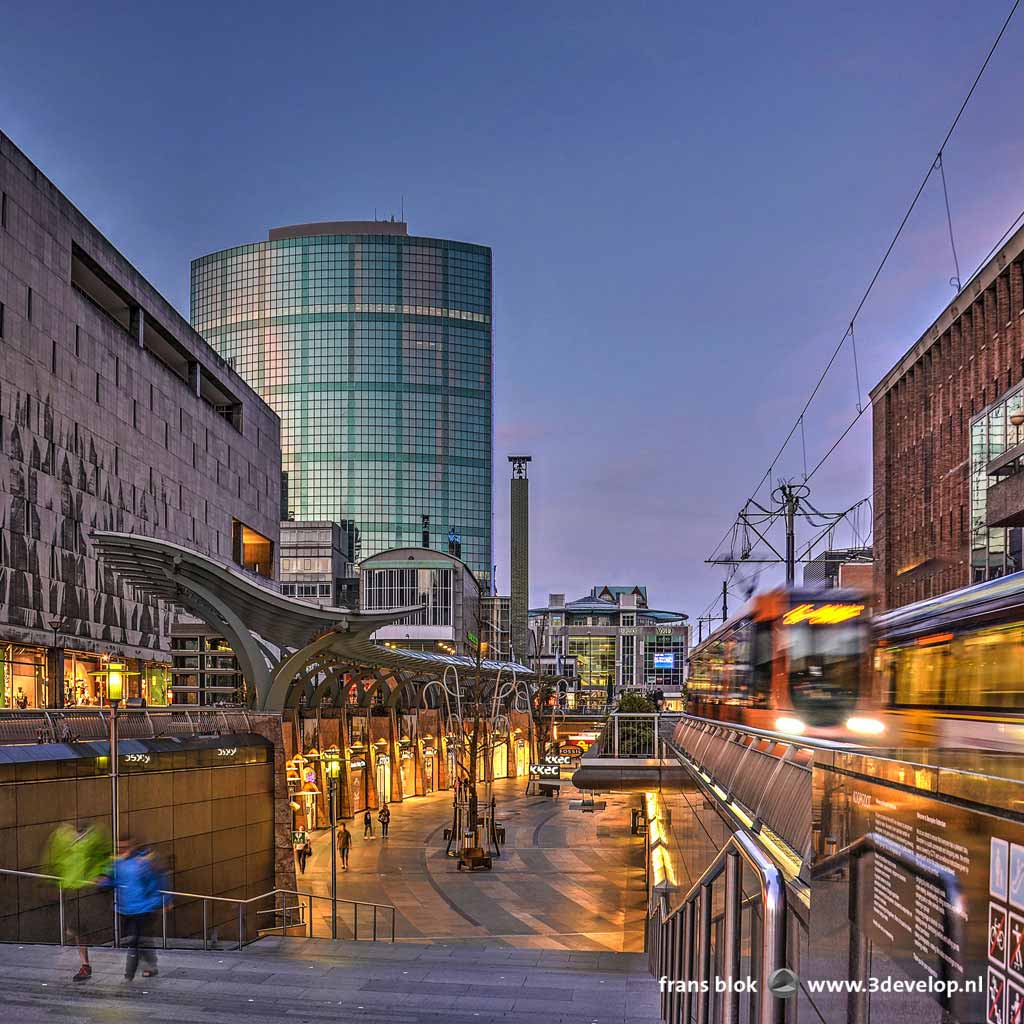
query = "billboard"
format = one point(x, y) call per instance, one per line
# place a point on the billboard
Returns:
point(664, 659)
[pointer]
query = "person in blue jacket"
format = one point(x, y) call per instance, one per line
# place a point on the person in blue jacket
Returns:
point(137, 882)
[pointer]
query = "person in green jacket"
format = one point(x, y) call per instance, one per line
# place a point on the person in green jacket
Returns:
point(77, 857)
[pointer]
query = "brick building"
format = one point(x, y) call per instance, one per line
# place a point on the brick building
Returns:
point(948, 500)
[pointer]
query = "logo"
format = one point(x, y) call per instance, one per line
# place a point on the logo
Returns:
point(227, 751)
point(783, 983)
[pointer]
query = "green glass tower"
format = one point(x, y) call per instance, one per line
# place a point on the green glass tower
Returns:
point(375, 348)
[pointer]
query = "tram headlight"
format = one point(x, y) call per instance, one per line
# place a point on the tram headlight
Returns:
point(865, 726)
point(791, 725)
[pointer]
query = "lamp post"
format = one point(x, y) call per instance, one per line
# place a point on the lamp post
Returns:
point(332, 765)
point(115, 691)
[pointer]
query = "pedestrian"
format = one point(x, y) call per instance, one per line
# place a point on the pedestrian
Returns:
point(77, 857)
point(344, 845)
point(367, 824)
point(137, 882)
point(303, 854)
point(385, 819)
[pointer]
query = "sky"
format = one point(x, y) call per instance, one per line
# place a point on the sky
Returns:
point(685, 204)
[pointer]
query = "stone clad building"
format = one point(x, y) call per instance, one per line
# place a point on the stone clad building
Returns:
point(948, 497)
point(114, 415)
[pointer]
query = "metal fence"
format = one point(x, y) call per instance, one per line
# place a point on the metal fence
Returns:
point(189, 920)
point(636, 735)
point(746, 938)
point(77, 724)
point(767, 775)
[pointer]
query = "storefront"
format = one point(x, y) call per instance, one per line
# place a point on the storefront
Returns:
point(430, 760)
point(360, 781)
point(522, 758)
point(383, 778)
point(25, 678)
point(499, 759)
point(408, 767)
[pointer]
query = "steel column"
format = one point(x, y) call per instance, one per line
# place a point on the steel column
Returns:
point(731, 941)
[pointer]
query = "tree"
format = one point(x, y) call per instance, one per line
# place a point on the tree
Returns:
point(635, 704)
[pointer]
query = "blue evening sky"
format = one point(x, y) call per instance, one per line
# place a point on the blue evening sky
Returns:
point(685, 202)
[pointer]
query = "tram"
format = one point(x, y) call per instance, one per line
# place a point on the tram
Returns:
point(950, 669)
point(795, 661)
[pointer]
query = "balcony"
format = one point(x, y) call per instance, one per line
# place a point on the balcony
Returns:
point(1005, 502)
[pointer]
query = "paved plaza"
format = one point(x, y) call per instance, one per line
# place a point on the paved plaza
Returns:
point(565, 880)
point(315, 980)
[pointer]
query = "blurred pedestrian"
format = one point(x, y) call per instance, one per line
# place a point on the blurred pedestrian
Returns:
point(137, 882)
point(78, 858)
point(367, 824)
point(385, 819)
point(303, 854)
point(344, 845)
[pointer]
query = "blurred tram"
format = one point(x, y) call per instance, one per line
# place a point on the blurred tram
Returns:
point(794, 661)
point(950, 669)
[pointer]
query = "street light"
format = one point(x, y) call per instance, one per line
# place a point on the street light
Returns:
point(331, 758)
point(115, 691)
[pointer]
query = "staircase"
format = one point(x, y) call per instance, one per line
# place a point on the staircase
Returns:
point(313, 980)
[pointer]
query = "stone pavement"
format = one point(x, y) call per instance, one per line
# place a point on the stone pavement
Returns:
point(313, 980)
point(565, 880)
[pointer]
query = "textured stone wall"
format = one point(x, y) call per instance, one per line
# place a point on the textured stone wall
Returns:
point(98, 433)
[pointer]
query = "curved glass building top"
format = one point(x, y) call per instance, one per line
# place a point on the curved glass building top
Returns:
point(375, 348)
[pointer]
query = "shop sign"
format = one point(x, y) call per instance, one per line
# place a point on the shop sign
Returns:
point(407, 755)
point(359, 762)
point(429, 751)
point(383, 759)
point(544, 771)
point(298, 837)
point(137, 758)
point(227, 751)
point(572, 751)
point(557, 759)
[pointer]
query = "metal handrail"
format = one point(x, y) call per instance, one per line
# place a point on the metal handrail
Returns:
point(63, 725)
point(170, 894)
point(953, 913)
point(695, 909)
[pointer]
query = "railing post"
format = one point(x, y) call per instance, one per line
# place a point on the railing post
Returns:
point(731, 941)
point(615, 723)
point(857, 968)
point(687, 971)
point(392, 924)
point(60, 911)
point(163, 917)
point(311, 917)
point(206, 944)
point(355, 922)
point(704, 956)
point(375, 922)
point(241, 924)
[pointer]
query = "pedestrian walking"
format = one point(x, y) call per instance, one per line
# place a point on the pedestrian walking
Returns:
point(78, 858)
point(385, 819)
point(303, 854)
point(137, 882)
point(367, 824)
point(344, 845)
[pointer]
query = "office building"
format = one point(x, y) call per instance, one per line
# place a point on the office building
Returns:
point(841, 567)
point(948, 441)
point(615, 642)
point(114, 415)
point(374, 346)
point(316, 563)
point(442, 586)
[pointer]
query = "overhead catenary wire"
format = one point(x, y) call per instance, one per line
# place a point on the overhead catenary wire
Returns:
point(848, 333)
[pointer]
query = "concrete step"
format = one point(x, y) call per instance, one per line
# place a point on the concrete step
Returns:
point(313, 980)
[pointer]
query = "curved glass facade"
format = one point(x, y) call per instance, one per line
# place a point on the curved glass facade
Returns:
point(376, 352)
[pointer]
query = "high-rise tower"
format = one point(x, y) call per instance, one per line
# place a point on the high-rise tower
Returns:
point(375, 348)
point(519, 607)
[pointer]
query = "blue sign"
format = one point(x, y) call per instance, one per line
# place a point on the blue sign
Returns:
point(664, 659)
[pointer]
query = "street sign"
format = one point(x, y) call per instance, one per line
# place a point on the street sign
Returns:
point(298, 837)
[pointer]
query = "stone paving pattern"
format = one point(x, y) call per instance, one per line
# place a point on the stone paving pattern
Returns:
point(540, 938)
point(565, 879)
